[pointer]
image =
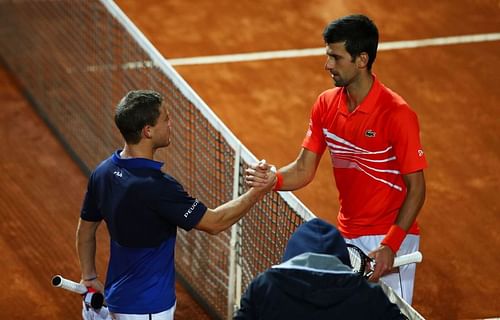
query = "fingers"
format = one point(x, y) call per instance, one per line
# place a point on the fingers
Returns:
point(378, 272)
point(255, 178)
point(260, 175)
point(261, 166)
point(384, 260)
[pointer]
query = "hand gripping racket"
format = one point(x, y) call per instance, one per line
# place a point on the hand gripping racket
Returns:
point(365, 265)
point(94, 299)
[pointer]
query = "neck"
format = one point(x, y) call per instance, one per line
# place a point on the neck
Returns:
point(137, 151)
point(358, 90)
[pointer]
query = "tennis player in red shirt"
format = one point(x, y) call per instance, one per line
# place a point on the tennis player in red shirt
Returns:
point(372, 137)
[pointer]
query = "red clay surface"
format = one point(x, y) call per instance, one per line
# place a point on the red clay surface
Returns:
point(40, 198)
point(452, 88)
point(266, 104)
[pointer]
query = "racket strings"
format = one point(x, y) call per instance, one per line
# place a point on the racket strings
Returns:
point(360, 262)
point(356, 260)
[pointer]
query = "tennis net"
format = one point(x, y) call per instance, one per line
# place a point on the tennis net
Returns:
point(75, 60)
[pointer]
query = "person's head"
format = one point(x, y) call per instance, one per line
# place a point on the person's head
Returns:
point(351, 39)
point(317, 236)
point(141, 114)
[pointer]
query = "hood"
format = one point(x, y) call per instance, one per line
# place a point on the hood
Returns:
point(317, 236)
point(317, 279)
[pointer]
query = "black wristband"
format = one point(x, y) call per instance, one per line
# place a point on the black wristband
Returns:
point(90, 279)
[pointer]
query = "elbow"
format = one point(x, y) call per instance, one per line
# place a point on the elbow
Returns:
point(214, 230)
point(218, 227)
point(309, 178)
point(422, 192)
point(211, 223)
point(422, 199)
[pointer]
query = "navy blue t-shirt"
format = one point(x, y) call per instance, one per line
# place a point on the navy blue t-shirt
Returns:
point(142, 207)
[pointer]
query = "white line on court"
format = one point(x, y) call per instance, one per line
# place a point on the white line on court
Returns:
point(280, 54)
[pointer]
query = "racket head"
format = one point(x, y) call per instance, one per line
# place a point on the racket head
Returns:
point(360, 262)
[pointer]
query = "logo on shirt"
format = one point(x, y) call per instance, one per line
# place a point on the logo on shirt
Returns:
point(420, 152)
point(195, 203)
point(309, 130)
point(118, 173)
point(370, 133)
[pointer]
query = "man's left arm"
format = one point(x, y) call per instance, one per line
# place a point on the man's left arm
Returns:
point(415, 197)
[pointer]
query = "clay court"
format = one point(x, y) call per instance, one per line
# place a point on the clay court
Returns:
point(266, 103)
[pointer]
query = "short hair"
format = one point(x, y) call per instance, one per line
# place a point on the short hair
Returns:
point(136, 110)
point(358, 33)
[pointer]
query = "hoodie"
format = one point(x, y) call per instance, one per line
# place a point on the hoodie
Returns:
point(315, 281)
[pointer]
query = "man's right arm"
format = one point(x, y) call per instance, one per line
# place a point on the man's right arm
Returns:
point(300, 172)
point(295, 175)
point(219, 219)
point(86, 249)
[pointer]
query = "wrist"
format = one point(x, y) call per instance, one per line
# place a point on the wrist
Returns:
point(279, 181)
point(90, 278)
point(394, 237)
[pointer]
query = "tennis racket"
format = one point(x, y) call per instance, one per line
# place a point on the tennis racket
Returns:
point(94, 299)
point(363, 264)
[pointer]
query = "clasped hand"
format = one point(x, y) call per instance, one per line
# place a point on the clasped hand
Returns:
point(260, 175)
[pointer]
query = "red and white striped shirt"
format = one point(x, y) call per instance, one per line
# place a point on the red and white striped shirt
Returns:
point(371, 148)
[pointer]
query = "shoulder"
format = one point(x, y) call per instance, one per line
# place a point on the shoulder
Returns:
point(102, 168)
point(104, 164)
point(395, 107)
point(329, 94)
point(262, 281)
point(161, 182)
point(325, 101)
point(168, 181)
point(393, 101)
point(168, 187)
point(262, 278)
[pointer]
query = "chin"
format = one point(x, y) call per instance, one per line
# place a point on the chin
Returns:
point(338, 83)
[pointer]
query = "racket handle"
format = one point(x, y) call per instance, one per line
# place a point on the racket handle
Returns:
point(94, 299)
point(59, 282)
point(414, 257)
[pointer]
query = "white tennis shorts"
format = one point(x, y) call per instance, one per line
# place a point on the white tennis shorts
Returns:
point(164, 315)
point(403, 281)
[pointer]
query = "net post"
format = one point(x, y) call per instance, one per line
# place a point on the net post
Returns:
point(232, 294)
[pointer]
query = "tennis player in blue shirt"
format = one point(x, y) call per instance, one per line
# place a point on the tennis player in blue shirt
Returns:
point(143, 207)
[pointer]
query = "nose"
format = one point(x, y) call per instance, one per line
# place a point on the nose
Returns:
point(329, 64)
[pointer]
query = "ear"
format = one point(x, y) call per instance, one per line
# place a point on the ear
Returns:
point(362, 60)
point(147, 132)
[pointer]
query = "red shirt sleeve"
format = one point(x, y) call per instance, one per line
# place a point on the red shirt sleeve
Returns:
point(315, 138)
point(405, 138)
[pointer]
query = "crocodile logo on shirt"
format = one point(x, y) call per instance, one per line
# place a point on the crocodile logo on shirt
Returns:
point(370, 133)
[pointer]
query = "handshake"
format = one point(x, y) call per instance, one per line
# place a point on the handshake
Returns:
point(262, 175)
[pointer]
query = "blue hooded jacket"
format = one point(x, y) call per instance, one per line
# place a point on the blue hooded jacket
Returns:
point(315, 281)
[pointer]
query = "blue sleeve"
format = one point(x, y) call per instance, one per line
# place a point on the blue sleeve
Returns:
point(246, 310)
point(389, 310)
point(177, 206)
point(90, 210)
